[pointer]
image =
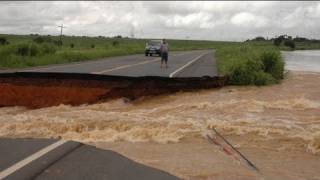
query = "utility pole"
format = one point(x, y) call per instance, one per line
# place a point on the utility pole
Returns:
point(61, 27)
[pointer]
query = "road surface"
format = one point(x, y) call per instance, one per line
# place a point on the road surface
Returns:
point(181, 64)
point(41, 159)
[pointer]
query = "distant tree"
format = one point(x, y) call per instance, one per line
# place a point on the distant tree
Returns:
point(92, 46)
point(48, 48)
point(315, 41)
point(259, 38)
point(71, 45)
point(299, 39)
point(282, 37)
point(277, 41)
point(290, 43)
point(119, 36)
point(3, 41)
point(40, 39)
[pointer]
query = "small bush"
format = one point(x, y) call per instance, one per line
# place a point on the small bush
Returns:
point(277, 41)
point(47, 48)
point(262, 78)
point(7, 50)
point(22, 50)
point(71, 45)
point(41, 40)
point(58, 43)
point(38, 40)
point(33, 50)
point(27, 50)
point(115, 43)
point(290, 43)
point(245, 73)
point(92, 46)
point(273, 63)
point(240, 76)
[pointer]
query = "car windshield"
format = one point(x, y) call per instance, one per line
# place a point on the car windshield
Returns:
point(154, 43)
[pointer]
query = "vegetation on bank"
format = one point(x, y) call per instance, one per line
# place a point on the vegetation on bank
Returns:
point(258, 61)
point(250, 65)
point(19, 51)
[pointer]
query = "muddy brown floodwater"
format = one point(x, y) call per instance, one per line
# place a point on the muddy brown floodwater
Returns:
point(277, 127)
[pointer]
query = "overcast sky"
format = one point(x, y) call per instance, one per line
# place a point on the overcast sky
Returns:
point(235, 21)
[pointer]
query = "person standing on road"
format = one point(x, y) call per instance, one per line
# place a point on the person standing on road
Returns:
point(164, 49)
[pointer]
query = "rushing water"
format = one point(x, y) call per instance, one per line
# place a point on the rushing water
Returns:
point(306, 60)
point(290, 110)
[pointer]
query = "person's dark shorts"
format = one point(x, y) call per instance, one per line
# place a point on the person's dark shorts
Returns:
point(164, 56)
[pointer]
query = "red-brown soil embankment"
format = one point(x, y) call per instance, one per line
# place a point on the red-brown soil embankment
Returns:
point(36, 90)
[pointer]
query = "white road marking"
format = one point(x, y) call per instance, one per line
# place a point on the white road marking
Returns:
point(126, 66)
point(186, 65)
point(29, 159)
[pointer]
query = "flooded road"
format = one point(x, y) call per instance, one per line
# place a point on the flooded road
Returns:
point(306, 60)
point(277, 127)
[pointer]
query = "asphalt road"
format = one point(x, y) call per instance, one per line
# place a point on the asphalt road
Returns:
point(181, 64)
point(42, 159)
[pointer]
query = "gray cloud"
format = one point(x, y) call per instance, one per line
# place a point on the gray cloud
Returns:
point(211, 20)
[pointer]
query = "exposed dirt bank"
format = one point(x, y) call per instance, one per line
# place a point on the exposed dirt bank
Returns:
point(36, 90)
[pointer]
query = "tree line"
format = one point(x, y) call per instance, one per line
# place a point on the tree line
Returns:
point(286, 40)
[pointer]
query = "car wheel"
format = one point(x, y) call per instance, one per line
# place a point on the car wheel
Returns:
point(146, 54)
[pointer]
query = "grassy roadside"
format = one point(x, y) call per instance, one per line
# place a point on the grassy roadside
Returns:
point(23, 51)
point(248, 64)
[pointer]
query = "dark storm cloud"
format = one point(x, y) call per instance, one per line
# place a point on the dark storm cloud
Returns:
point(197, 20)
